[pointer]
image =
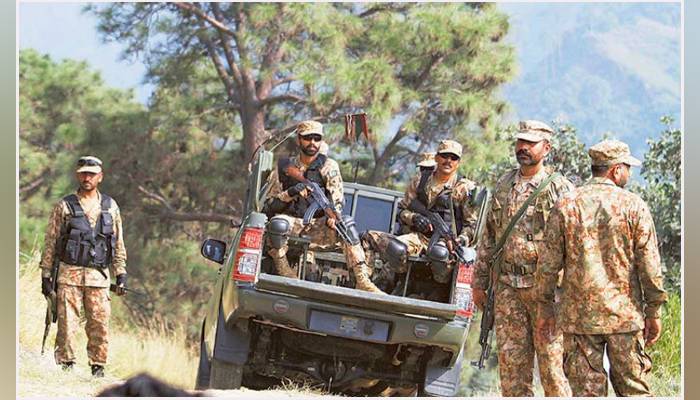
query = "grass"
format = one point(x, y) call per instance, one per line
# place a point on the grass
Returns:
point(666, 353)
point(162, 354)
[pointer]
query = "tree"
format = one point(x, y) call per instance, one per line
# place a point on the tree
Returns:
point(662, 171)
point(428, 70)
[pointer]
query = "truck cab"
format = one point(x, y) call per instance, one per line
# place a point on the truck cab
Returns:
point(262, 328)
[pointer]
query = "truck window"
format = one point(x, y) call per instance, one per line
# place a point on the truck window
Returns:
point(347, 208)
point(371, 213)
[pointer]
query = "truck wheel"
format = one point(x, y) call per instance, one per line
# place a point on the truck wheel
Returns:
point(225, 375)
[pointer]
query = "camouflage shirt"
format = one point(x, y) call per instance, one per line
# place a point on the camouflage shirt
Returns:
point(73, 274)
point(525, 240)
point(603, 237)
point(330, 173)
point(461, 189)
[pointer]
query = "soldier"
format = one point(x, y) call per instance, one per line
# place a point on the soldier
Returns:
point(288, 199)
point(603, 238)
point(515, 303)
point(439, 189)
point(426, 161)
point(84, 240)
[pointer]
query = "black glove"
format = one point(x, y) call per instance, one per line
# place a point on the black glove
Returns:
point(46, 286)
point(296, 189)
point(421, 223)
point(121, 284)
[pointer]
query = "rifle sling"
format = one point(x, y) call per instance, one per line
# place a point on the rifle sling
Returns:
point(509, 229)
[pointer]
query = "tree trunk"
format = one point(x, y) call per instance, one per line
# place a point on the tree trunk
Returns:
point(253, 119)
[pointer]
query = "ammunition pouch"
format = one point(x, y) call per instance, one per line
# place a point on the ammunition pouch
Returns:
point(278, 229)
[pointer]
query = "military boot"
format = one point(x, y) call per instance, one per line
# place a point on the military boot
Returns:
point(283, 268)
point(67, 366)
point(98, 371)
point(362, 279)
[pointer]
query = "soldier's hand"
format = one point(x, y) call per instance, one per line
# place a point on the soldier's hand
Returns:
point(330, 222)
point(545, 329)
point(479, 296)
point(652, 331)
point(296, 189)
point(421, 223)
point(46, 287)
point(121, 285)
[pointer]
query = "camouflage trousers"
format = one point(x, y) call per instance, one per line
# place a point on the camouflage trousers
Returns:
point(321, 237)
point(629, 364)
point(515, 316)
point(96, 304)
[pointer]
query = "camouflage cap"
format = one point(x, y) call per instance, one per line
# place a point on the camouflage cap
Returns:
point(309, 128)
point(534, 131)
point(450, 146)
point(426, 160)
point(89, 164)
point(611, 152)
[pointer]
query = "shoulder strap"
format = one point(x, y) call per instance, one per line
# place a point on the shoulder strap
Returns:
point(74, 205)
point(519, 214)
point(317, 163)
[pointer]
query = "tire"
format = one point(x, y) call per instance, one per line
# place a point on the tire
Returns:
point(224, 375)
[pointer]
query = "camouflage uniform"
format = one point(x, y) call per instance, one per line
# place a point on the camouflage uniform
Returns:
point(460, 192)
point(603, 238)
point(320, 235)
point(515, 301)
point(82, 286)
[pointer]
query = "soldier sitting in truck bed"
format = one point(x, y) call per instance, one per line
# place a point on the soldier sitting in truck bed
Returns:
point(288, 200)
point(440, 190)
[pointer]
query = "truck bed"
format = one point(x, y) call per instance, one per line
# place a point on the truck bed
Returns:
point(357, 298)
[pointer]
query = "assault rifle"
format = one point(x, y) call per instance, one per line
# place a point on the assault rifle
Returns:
point(319, 201)
point(113, 288)
point(52, 304)
point(440, 230)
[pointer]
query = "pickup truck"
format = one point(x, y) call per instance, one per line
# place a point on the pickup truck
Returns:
point(262, 329)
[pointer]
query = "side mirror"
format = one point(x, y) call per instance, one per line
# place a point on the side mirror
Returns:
point(214, 250)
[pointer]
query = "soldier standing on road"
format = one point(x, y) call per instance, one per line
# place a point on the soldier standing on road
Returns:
point(84, 240)
point(603, 237)
point(515, 302)
point(289, 199)
point(440, 189)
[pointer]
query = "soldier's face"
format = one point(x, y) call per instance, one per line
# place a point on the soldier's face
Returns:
point(621, 175)
point(310, 144)
point(447, 163)
point(531, 153)
point(89, 180)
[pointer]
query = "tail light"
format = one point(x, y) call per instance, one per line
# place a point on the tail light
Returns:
point(245, 267)
point(463, 291)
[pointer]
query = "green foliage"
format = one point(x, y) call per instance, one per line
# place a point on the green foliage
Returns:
point(662, 171)
point(432, 69)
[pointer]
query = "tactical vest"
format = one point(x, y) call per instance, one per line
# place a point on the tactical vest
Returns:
point(84, 246)
point(298, 207)
point(538, 212)
point(441, 204)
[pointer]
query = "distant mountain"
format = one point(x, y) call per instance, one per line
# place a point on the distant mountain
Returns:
point(600, 67)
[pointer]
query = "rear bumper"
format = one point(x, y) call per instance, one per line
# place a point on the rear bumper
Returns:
point(292, 312)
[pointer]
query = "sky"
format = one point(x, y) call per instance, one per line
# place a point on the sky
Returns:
point(62, 31)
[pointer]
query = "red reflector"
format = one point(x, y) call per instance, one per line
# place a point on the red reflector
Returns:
point(464, 274)
point(251, 238)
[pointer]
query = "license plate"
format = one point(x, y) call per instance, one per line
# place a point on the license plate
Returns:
point(349, 326)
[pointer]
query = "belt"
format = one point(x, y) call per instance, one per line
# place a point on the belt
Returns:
point(521, 269)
